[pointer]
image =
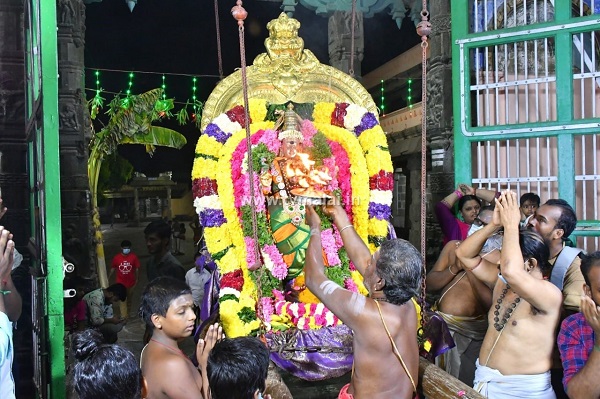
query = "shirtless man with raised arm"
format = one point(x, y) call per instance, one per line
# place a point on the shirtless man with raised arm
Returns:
point(386, 354)
point(463, 302)
point(168, 309)
point(516, 355)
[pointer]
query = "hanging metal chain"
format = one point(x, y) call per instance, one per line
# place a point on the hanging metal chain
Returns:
point(240, 14)
point(423, 30)
point(219, 55)
point(352, 51)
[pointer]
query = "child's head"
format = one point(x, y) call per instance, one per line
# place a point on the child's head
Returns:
point(237, 368)
point(126, 247)
point(104, 370)
point(168, 301)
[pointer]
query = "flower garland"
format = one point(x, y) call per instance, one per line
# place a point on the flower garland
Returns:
point(221, 189)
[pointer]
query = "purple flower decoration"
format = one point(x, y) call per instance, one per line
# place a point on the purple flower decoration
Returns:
point(368, 121)
point(212, 217)
point(215, 131)
point(379, 211)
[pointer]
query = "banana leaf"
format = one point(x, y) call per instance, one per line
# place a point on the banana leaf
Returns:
point(156, 136)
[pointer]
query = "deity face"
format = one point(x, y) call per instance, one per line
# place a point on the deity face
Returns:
point(290, 147)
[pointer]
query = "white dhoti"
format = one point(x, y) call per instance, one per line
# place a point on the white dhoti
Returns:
point(493, 384)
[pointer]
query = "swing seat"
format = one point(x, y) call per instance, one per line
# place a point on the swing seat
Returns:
point(341, 124)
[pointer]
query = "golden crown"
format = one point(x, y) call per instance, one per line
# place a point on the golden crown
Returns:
point(291, 122)
point(283, 27)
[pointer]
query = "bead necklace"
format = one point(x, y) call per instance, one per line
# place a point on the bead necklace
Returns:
point(176, 350)
point(499, 324)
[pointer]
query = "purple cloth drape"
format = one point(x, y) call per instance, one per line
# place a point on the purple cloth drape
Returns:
point(313, 355)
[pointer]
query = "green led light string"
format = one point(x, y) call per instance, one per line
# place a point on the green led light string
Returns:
point(382, 106)
point(194, 98)
point(196, 104)
point(164, 104)
point(127, 100)
point(409, 98)
point(130, 84)
point(97, 102)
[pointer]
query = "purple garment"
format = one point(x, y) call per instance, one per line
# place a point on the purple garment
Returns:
point(391, 231)
point(450, 225)
point(313, 355)
point(210, 302)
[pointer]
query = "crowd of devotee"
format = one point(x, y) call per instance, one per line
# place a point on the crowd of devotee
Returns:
point(519, 299)
point(517, 296)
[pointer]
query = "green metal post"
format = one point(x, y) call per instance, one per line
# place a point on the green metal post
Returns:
point(51, 175)
point(564, 85)
point(462, 145)
point(564, 70)
point(566, 168)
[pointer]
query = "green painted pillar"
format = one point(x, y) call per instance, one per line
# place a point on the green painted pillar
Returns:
point(51, 205)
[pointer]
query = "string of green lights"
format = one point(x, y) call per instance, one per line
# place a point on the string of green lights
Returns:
point(196, 105)
point(153, 72)
point(128, 91)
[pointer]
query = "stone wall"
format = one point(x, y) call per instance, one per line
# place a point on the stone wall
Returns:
point(75, 134)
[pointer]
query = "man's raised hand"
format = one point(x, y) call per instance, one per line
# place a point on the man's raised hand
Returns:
point(214, 334)
point(507, 207)
point(591, 313)
point(312, 218)
point(7, 247)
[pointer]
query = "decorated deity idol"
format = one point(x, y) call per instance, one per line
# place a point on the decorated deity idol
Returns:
point(292, 181)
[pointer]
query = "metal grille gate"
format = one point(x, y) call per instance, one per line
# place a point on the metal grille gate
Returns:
point(526, 80)
point(41, 119)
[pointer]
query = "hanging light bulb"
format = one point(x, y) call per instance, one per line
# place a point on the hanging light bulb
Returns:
point(131, 4)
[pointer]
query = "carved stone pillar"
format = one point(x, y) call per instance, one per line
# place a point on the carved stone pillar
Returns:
point(439, 117)
point(75, 128)
point(14, 181)
point(13, 143)
point(340, 41)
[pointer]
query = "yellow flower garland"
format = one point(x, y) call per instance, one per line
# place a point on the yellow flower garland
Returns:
point(372, 137)
point(322, 113)
point(258, 109)
point(366, 159)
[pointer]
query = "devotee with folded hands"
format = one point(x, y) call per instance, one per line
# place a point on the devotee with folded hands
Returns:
point(516, 354)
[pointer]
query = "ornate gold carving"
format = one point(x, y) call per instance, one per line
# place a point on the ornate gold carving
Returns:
point(287, 72)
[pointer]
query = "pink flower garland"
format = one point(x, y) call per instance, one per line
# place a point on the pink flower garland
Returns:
point(266, 307)
point(241, 184)
point(250, 251)
point(350, 285)
point(270, 139)
point(308, 131)
point(280, 269)
point(343, 175)
point(330, 247)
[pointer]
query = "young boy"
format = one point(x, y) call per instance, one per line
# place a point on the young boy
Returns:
point(237, 368)
point(168, 310)
point(127, 266)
